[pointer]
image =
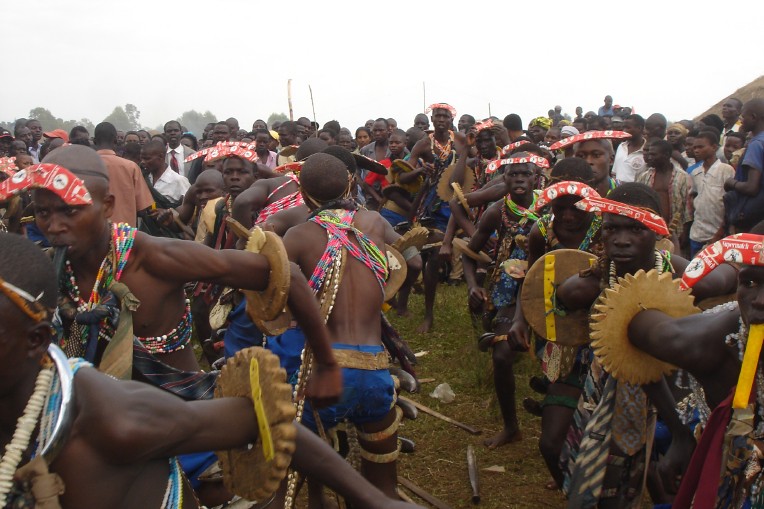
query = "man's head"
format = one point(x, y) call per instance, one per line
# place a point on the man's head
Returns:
point(513, 122)
point(259, 124)
point(732, 143)
point(27, 276)
point(676, 134)
point(580, 124)
point(629, 243)
point(608, 101)
point(657, 153)
point(705, 145)
point(422, 122)
point(78, 228)
point(752, 116)
point(105, 135)
point(6, 139)
point(132, 137)
point(23, 159)
point(18, 147)
point(209, 185)
point(465, 122)
point(397, 144)
point(486, 143)
point(599, 155)
point(50, 145)
point(369, 123)
point(79, 134)
point(262, 142)
point(655, 126)
point(552, 135)
point(566, 215)
point(324, 179)
point(579, 111)
point(221, 132)
point(392, 124)
point(731, 110)
point(153, 156)
point(380, 131)
point(345, 140)
point(120, 138)
point(635, 126)
point(172, 133)
point(36, 128)
point(328, 135)
point(413, 135)
point(24, 134)
point(441, 119)
point(287, 133)
point(520, 178)
point(233, 125)
point(309, 147)
point(538, 128)
point(238, 175)
point(305, 127)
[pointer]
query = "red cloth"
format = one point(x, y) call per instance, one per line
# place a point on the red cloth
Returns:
point(701, 481)
point(373, 178)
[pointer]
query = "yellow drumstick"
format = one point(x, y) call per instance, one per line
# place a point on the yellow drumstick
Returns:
point(262, 419)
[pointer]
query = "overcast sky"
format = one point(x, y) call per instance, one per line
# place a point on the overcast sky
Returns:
point(369, 59)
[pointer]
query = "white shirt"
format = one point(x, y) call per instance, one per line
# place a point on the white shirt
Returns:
point(625, 165)
point(709, 205)
point(171, 185)
point(180, 157)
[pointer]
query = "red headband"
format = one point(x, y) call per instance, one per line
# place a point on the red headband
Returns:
point(441, 106)
point(8, 165)
point(488, 124)
point(604, 206)
point(512, 146)
point(533, 159)
point(242, 151)
point(564, 188)
point(218, 147)
point(589, 135)
point(744, 248)
point(294, 167)
point(52, 177)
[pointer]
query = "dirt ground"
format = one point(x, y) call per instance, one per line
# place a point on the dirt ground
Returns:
point(439, 464)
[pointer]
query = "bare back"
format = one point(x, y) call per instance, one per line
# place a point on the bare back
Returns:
point(355, 317)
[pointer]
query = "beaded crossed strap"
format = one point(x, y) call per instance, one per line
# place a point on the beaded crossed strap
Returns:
point(175, 340)
point(337, 224)
point(284, 203)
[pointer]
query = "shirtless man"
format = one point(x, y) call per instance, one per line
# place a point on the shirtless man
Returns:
point(351, 295)
point(156, 270)
point(629, 245)
point(710, 346)
point(508, 218)
point(437, 153)
point(125, 462)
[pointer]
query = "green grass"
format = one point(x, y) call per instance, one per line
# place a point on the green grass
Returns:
point(439, 464)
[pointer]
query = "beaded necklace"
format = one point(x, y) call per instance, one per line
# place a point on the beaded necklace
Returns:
point(121, 245)
point(662, 264)
point(520, 211)
point(442, 151)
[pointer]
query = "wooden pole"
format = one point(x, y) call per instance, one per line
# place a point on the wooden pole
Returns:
point(289, 98)
point(313, 105)
point(430, 411)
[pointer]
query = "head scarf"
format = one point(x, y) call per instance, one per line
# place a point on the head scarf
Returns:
point(647, 217)
point(589, 135)
point(568, 131)
point(679, 127)
point(441, 106)
point(564, 188)
point(543, 122)
point(57, 179)
point(512, 146)
point(533, 159)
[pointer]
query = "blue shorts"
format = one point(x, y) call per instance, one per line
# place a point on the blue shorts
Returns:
point(195, 464)
point(241, 332)
point(392, 217)
point(367, 395)
point(288, 347)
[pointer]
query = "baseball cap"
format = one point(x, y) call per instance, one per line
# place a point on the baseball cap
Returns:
point(57, 133)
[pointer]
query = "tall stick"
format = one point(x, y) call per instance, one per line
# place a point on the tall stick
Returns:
point(313, 105)
point(424, 98)
point(489, 109)
point(289, 97)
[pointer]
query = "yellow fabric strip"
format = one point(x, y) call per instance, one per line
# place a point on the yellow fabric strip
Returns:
point(262, 419)
point(748, 369)
point(551, 333)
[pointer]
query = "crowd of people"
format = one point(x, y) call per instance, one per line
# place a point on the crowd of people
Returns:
point(299, 238)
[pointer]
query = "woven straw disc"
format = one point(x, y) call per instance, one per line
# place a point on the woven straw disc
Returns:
point(246, 471)
point(616, 307)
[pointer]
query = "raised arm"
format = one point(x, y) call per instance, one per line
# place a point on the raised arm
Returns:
point(249, 201)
